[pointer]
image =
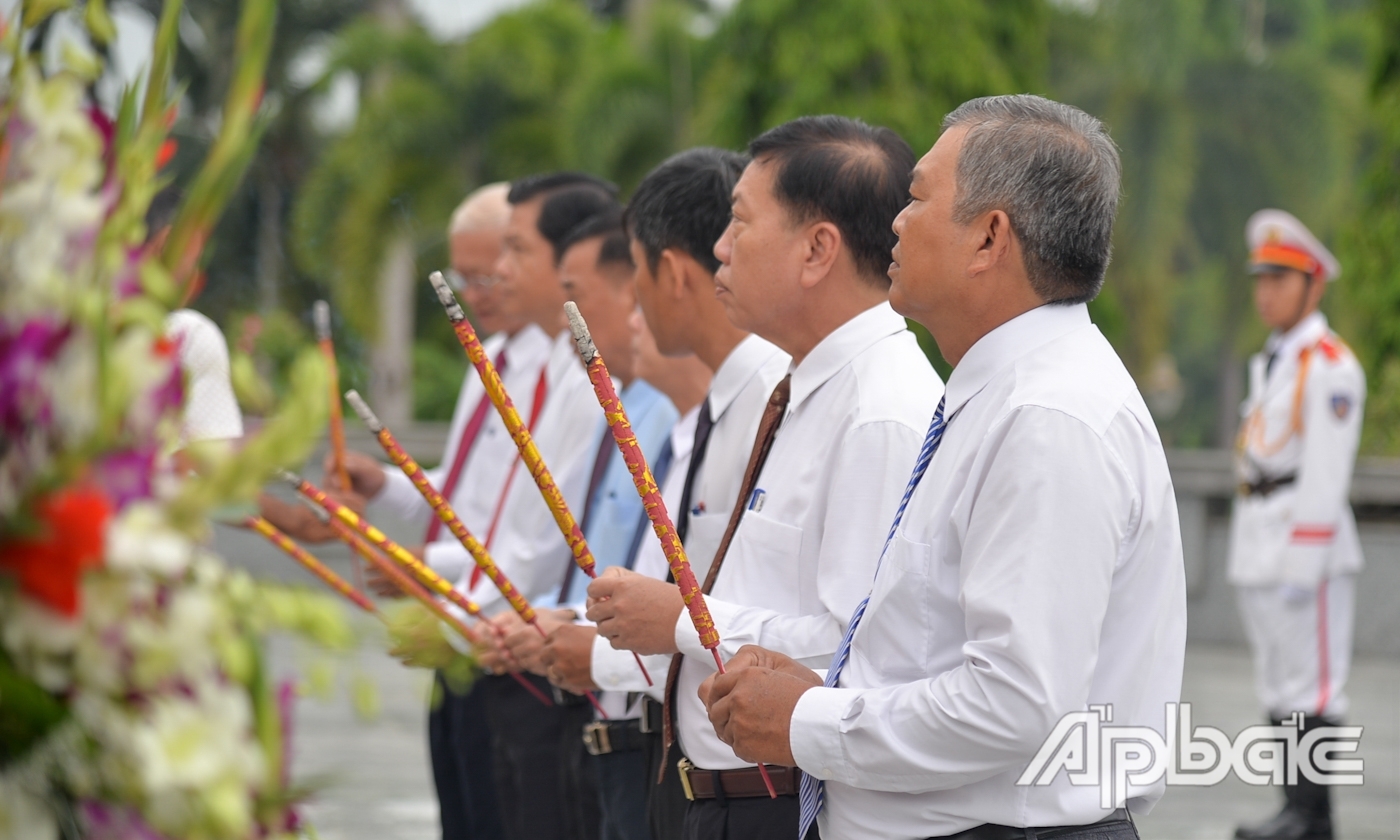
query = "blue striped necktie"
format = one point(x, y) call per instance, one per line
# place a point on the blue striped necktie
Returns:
point(813, 790)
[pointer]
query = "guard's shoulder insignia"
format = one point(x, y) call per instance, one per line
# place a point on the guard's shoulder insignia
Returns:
point(1341, 405)
point(1332, 347)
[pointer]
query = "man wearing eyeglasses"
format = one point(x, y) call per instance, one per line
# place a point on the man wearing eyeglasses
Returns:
point(473, 474)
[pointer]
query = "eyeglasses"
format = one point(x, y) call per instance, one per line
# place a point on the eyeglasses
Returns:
point(461, 283)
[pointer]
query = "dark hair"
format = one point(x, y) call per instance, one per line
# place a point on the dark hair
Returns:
point(524, 189)
point(616, 250)
point(1055, 172)
point(842, 171)
point(684, 204)
point(565, 210)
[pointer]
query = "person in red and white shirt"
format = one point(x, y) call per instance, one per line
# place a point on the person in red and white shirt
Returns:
point(1294, 552)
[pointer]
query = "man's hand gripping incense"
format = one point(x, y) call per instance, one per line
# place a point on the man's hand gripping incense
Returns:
point(400, 458)
point(519, 432)
point(650, 494)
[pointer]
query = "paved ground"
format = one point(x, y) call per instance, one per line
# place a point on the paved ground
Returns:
point(378, 785)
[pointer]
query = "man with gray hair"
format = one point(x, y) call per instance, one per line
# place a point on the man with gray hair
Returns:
point(1033, 569)
point(474, 474)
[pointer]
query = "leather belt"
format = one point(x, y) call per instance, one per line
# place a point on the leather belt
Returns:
point(991, 831)
point(743, 783)
point(604, 737)
point(1267, 485)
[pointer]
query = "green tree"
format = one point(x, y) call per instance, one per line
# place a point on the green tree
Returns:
point(1221, 108)
point(1371, 290)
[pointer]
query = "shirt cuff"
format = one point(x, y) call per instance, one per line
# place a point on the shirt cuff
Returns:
point(616, 670)
point(688, 641)
point(815, 731)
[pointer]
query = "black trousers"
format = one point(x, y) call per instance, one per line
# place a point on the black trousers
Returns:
point(578, 774)
point(757, 818)
point(525, 741)
point(459, 743)
point(666, 802)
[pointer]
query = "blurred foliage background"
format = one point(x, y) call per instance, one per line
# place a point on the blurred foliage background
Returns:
point(1221, 107)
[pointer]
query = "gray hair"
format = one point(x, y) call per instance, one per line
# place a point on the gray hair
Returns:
point(1055, 172)
point(486, 207)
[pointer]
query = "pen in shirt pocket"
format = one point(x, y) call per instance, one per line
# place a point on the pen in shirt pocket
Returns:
point(756, 499)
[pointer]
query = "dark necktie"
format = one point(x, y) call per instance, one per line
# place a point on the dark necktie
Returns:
point(470, 433)
point(704, 422)
point(1269, 363)
point(763, 444)
point(600, 469)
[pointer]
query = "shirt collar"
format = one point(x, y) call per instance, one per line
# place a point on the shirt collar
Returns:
point(997, 349)
point(528, 342)
point(840, 347)
point(1304, 333)
point(683, 434)
point(741, 365)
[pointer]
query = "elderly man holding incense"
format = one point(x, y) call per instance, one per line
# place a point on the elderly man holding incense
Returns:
point(802, 265)
point(1034, 567)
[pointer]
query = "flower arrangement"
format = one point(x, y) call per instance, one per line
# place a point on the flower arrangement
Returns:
point(134, 699)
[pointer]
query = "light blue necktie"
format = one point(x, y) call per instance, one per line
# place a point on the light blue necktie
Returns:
point(813, 791)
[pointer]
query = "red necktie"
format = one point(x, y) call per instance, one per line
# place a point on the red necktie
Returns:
point(469, 435)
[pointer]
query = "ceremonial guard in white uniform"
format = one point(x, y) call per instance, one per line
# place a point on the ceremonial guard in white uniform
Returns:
point(1294, 552)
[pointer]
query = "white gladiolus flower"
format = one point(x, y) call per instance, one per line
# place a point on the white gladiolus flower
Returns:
point(141, 539)
point(24, 816)
point(195, 743)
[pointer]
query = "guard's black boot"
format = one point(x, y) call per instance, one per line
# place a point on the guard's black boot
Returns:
point(1307, 809)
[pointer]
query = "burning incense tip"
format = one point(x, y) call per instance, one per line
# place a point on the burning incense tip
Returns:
point(446, 298)
point(321, 315)
point(362, 408)
point(290, 477)
point(587, 350)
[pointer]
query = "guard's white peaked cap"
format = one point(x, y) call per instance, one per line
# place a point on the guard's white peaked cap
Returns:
point(1277, 238)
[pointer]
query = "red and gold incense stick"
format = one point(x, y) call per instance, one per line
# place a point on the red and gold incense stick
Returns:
point(364, 549)
point(401, 459)
point(519, 432)
point(321, 314)
point(430, 579)
point(443, 509)
point(311, 564)
point(650, 494)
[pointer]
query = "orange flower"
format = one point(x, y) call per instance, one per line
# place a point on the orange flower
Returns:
point(50, 566)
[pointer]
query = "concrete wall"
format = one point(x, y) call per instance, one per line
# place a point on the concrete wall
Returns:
point(1204, 486)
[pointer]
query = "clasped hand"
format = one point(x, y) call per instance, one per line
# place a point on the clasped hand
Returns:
point(751, 705)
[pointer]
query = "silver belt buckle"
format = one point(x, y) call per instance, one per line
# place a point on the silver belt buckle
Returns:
point(595, 738)
point(644, 722)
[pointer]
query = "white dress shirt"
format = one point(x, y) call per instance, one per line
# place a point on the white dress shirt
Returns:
point(804, 555)
point(528, 546)
point(738, 393)
point(211, 410)
point(492, 458)
point(614, 670)
point(1037, 570)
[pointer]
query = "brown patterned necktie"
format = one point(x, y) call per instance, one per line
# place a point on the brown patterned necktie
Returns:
point(762, 445)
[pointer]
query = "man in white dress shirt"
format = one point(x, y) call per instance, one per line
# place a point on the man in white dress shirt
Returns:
point(472, 474)
point(1294, 551)
point(803, 266)
point(536, 803)
point(1035, 567)
point(676, 214)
